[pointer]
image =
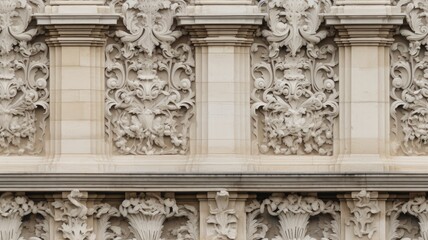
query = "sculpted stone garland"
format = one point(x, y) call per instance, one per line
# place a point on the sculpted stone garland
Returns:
point(149, 96)
point(24, 94)
point(409, 81)
point(294, 98)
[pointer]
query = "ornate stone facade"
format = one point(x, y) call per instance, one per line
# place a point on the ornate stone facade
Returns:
point(213, 119)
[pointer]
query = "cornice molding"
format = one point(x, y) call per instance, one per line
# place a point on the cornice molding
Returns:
point(214, 182)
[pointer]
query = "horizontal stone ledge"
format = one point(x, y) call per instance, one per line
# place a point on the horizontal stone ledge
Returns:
point(214, 182)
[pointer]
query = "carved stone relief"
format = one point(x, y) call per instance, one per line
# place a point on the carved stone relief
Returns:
point(409, 220)
point(363, 209)
point(149, 80)
point(24, 73)
point(147, 214)
point(294, 97)
point(294, 214)
point(409, 81)
point(222, 219)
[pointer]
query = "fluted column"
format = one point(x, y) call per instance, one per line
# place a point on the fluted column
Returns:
point(76, 37)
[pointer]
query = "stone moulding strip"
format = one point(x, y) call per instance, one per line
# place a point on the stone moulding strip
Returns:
point(214, 182)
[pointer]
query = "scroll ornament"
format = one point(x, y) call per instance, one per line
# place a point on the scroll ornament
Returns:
point(294, 98)
point(149, 80)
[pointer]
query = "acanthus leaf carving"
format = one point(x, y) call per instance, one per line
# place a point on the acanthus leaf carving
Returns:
point(103, 212)
point(149, 96)
point(23, 79)
point(409, 81)
point(294, 212)
point(147, 214)
point(363, 209)
point(418, 207)
point(73, 214)
point(294, 98)
point(12, 210)
point(256, 229)
point(222, 218)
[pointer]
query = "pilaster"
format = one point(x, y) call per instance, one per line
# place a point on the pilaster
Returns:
point(363, 215)
point(76, 37)
point(364, 37)
point(222, 35)
point(222, 215)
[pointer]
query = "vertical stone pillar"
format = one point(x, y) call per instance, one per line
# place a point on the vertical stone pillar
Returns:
point(76, 37)
point(364, 37)
point(363, 216)
point(222, 35)
point(222, 215)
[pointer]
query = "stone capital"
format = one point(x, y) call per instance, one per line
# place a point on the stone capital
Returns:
point(66, 28)
point(366, 25)
point(211, 26)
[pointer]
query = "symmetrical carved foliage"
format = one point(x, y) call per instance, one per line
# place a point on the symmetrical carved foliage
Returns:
point(363, 208)
point(73, 214)
point(294, 98)
point(222, 218)
point(409, 81)
point(294, 213)
point(149, 98)
point(24, 94)
point(12, 210)
point(147, 214)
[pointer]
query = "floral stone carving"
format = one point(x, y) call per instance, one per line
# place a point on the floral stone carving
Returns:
point(73, 215)
point(294, 214)
point(24, 94)
point(294, 98)
point(12, 210)
point(409, 81)
point(149, 96)
point(222, 219)
point(147, 214)
point(363, 208)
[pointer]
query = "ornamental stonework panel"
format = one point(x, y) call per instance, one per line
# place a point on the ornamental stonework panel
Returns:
point(149, 80)
point(24, 74)
point(295, 81)
point(409, 81)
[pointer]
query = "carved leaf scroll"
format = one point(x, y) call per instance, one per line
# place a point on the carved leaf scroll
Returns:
point(147, 214)
point(294, 98)
point(409, 81)
point(293, 213)
point(24, 73)
point(149, 75)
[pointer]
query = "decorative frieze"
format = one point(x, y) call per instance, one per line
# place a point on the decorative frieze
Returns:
point(409, 81)
point(294, 97)
point(149, 80)
point(24, 73)
point(294, 213)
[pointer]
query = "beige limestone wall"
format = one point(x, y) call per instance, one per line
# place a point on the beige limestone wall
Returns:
point(202, 119)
